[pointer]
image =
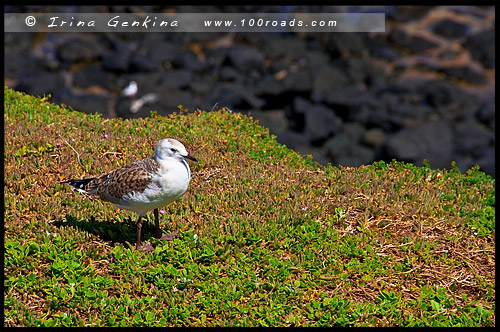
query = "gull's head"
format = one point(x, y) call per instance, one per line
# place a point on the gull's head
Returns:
point(172, 148)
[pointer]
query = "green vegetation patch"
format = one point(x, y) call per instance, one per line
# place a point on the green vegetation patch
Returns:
point(266, 237)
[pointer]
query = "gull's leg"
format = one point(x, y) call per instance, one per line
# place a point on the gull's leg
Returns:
point(139, 227)
point(147, 246)
point(157, 223)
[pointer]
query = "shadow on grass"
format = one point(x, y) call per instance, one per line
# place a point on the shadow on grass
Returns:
point(115, 232)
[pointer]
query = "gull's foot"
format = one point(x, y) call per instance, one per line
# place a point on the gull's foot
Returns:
point(167, 237)
point(146, 247)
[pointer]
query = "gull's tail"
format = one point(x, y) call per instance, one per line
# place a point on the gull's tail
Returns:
point(80, 185)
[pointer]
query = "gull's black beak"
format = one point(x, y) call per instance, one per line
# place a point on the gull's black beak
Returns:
point(191, 157)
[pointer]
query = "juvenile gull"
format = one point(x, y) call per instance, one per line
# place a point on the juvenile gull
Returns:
point(144, 185)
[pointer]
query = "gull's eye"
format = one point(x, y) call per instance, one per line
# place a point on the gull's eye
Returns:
point(174, 150)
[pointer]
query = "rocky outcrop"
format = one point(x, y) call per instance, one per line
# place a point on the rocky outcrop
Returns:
point(424, 89)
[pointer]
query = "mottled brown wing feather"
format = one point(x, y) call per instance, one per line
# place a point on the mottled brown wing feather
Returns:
point(133, 177)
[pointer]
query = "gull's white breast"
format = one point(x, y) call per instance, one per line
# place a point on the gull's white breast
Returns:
point(167, 185)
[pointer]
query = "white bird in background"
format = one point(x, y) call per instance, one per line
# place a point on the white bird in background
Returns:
point(131, 90)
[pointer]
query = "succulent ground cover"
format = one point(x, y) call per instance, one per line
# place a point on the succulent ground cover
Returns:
point(266, 237)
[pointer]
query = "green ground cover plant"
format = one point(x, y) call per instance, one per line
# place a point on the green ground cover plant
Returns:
point(266, 237)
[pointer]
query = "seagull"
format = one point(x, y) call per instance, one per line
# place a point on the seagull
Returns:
point(144, 185)
point(131, 90)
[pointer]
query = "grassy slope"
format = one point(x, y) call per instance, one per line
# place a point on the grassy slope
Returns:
point(266, 237)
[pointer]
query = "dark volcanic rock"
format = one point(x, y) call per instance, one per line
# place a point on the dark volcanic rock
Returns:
point(80, 49)
point(15, 42)
point(274, 120)
point(432, 141)
point(486, 112)
point(346, 45)
point(441, 94)
point(365, 72)
point(393, 107)
point(234, 96)
point(373, 137)
point(155, 53)
point(298, 80)
point(449, 55)
point(87, 102)
point(344, 149)
point(46, 54)
point(471, 135)
point(409, 13)
point(414, 43)
point(449, 100)
point(118, 59)
point(295, 141)
point(277, 91)
point(327, 81)
point(482, 47)
point(450, 29)
point(189, 61)
point(163, 52)
point(17, 65)
point(245, 58)
point(380, 47)
point(230, 74)
point(177, 78)
point(285, 46)
point(268, 87)
point(353, 131)
point(170, 98)
point(346, 100)
point(41, 83)
point(295, 114)
point(487, 161)
point(466, 74)
point(93, 75)
point(380, 118)
point(320, 121)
